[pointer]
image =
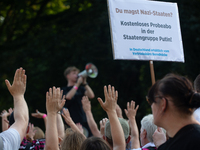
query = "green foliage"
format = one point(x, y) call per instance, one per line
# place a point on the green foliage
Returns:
point(46, 36)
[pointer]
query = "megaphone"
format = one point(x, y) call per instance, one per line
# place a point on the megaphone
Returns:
point(90, 71)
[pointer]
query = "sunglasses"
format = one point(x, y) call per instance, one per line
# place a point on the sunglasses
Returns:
point(150, 101)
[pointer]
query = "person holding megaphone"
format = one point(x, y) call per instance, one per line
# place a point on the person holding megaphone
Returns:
point(76, 88)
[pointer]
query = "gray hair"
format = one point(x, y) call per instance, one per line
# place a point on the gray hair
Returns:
point(149, 126)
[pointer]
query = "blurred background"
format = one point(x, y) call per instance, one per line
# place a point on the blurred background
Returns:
point(47, 36)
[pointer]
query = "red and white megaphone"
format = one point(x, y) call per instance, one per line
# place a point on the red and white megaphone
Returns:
point(90, 71)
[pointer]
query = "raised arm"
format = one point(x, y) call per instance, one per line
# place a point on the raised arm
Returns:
point(90, 120)
point(110, 107)
point(17, 90)
point(69, 121)
point(53, 105)
point(102, 126)
point(60, 124)
point(131, 112)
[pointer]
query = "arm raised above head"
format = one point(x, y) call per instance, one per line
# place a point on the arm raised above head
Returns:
point(17, 90)
point(131, 112)
point(54, 103)
point(90, 119)
point(110, 107)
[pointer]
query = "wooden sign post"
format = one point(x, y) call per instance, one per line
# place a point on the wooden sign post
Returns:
point(152, 72)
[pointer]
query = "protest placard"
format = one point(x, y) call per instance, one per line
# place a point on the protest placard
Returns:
point(145, 30)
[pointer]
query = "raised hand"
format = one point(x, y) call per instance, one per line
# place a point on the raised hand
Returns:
point(80, 127)
point(102, 125)
point(4, 114)
point(109, 106)
point(131, 111)
point(66, 116)
point(86, 104)
point(54, 101)
point(18, 87)
point(31, 132)
point(110, 103)
point(37, 114)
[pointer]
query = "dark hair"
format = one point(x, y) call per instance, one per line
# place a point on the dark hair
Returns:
point(94, 143)
point(197, 84)
point(181, 91)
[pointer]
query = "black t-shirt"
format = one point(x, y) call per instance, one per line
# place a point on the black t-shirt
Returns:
point(74, 105)
point(187, 138)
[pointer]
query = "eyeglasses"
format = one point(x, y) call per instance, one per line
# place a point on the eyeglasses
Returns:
point(150, 101)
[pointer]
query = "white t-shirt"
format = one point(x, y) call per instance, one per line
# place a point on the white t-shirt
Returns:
point(11, 139)
point(197, 114)
point(145, 146)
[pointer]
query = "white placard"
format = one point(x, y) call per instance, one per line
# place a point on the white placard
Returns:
point(145, 30)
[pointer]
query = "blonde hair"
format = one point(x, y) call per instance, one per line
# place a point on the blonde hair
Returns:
point(39, 134)
point(72, 140)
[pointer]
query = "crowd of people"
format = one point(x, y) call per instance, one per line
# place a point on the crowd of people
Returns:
point(70, 125)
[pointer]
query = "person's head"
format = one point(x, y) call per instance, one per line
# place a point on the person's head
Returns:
point(72, 140)
point(197, 84)
point(147, 129)
point(71, 73)
point(108, 135)
point(39, 134)
point(172, 95)
point(95, 143)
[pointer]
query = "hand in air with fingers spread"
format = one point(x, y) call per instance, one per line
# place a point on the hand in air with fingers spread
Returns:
point(31, 132)
point(18, 87)
point(54, 101)
point(131, 111)
point(67, 117)
point(102, 125)
point(110, 103)
point(109, 106)
point(6, 113)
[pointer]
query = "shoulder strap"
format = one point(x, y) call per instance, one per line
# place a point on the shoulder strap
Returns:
point(1, 143)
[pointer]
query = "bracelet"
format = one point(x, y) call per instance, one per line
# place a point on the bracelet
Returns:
point(75, 87)
point(44, 116)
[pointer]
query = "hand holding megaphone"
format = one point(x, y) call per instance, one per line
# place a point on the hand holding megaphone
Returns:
point(90, 71)
point(80, 80)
